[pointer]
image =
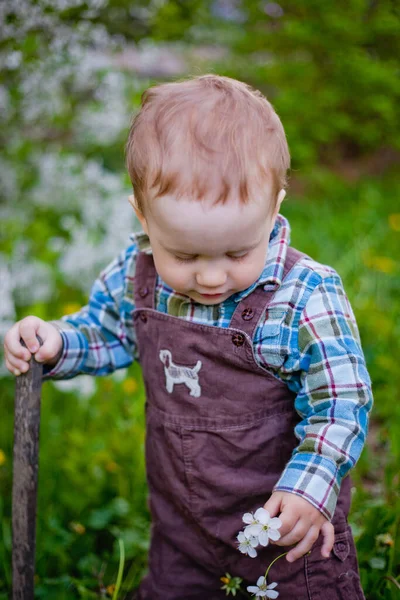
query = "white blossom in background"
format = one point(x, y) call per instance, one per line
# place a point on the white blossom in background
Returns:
point(5, 103)
point(7, 309)
point(32, 279)
point(229, 10)
point(105, 123)
point(119, 375)
point(19, 17)
point(83, 386)
point(105, 218)
point(42, 95)
point(8, 185)
point(85, 72)
point(68, 65)
point(274, 10)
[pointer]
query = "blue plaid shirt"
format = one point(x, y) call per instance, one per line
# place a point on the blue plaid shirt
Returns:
point(310, 341)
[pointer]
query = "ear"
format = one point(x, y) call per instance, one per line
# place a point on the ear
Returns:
point(139, 214)
point(279, 201)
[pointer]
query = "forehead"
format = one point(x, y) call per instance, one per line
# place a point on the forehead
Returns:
point(201, 227)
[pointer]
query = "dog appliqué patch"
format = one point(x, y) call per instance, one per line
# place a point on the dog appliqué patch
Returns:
point(175, 374)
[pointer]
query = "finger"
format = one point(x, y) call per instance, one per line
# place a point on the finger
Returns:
point(328, 534)
point(295, 534)
point(304, 545)
point(14, 362)
point(12, 368)
point(16, 366)
point(13, 346)
point(52, 342)
point(28, 329)
point(289, 519)
point(273, 505)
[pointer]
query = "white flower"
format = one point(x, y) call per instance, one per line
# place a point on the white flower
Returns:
point(262, 590)
point(261, 526)
point(247, 544)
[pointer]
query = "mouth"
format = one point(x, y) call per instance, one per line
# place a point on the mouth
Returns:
point(211, 295)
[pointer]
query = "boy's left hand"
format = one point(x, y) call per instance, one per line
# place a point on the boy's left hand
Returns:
point(301, 522)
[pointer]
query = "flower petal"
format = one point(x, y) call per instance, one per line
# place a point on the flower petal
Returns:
point(263, 538)
point(261, 581)
point(247, 518)
point(251, 552)
point(272, 594)
point(272, 585)
point(252, 530)
point(254, 542)
point(262, 515)
point(275, 523)
point(274, 534)
point(252, 589)
point(241, 537)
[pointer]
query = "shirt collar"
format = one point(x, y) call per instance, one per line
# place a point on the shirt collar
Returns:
point(271, 276)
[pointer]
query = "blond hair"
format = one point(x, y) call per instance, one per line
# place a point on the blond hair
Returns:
point(206, 136)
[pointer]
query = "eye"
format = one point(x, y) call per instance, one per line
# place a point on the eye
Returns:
point(185, 259)
point(237, 256)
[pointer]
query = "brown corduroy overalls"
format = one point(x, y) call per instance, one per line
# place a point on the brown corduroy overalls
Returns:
point(220, 431)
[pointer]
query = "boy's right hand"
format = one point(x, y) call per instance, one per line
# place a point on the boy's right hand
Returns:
point(17, 357)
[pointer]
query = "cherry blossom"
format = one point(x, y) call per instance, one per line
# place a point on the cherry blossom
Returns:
point(262, 589)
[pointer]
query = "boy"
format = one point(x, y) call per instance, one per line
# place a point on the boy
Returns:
point(257, 391)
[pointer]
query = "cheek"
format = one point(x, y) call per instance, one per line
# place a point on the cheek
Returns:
point(174, 274)
point(247, 273)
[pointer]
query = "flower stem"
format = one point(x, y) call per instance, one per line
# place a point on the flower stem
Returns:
point(120, 569)
point(274, 561)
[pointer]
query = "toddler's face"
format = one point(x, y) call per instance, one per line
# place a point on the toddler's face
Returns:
point(208, 252)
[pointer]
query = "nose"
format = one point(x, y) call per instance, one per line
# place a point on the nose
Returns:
point(211, 277)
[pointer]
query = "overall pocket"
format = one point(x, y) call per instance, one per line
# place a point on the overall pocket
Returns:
point(232, 470)
point(335, 578)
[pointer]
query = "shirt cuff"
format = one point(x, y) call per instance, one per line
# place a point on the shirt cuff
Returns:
point(313, 477)
point(74, 352)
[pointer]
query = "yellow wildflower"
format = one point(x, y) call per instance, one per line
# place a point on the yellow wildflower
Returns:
point(111, 466)
point(394, 221)
point(385, 539)
point(77, 528)
point(71, 307)
point(130, 385)
point(2, 458)
point(384, 264)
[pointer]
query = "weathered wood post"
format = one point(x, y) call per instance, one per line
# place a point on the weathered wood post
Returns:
point(25, 476)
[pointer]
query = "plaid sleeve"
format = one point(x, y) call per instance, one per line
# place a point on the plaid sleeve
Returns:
point(100, 338)
point(334, 399)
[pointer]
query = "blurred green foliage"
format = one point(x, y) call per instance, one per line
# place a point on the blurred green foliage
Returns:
point(331, 71)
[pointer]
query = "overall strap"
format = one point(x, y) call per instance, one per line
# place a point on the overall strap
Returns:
point(145, 281)
point(250, 310)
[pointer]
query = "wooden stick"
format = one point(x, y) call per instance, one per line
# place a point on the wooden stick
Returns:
point(25, 476)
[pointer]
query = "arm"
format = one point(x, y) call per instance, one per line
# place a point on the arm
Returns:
point(100, 338)
point(334, 399)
